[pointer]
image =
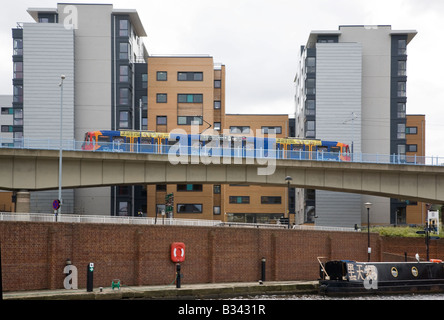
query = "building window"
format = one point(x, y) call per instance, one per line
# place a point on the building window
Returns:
point(124, 74)
point(6, 129)
point(123, 208)
point(189, 120)
point(216, 210)
point(144, 81)
point(411, 130)
point(161, 187)
point(124, 96)
point(240, 129)
point(217, 83)
point(401, 131)
point(310, 107)
point(18, 47)
point(6, 111)
point(18, 70)
point(189, 187)
point(18, 117)
point(216, 189)
point(189, 98)
point(310, 86)
point(161, 120)
point(124, 50)
point(401, 110)
point(412, 148)
point(162, 76)
point(310, 129)
point(216, 104)
point(402, 47)
point(401, 148)
point(216, 126)
point(18, 94)
point(310, 64)
point(123, 28)
point(270, 200)
point(124, 119)
point(275, 130)
point(144, 103)
point(239, 199)
point(402, 68)
point(402, 89)
point(189, 208)
point(161, 98)
point(189, 76)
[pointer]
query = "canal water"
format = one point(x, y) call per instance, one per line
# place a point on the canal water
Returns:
point(310, 297)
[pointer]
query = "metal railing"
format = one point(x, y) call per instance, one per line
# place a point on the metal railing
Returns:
point(71, 218)
point(71, 145)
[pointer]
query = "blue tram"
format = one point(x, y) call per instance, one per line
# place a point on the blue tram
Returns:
point(216, 145)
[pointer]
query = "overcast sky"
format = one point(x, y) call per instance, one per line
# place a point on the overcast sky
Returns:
point(258, 41)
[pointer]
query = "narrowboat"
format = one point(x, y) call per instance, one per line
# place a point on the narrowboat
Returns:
point(345, 277)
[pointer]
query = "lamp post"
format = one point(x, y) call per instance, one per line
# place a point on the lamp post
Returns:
point(288, 179)
point(368, 205)
point(59, 210)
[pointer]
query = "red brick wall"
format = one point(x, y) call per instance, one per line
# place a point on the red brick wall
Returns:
point(34, 254)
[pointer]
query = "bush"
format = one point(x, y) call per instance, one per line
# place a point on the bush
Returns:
point(398, 231)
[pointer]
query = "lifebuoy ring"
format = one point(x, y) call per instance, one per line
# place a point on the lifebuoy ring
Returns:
point(177, 252)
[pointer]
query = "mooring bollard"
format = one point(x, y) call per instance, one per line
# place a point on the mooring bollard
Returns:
point(263, 269)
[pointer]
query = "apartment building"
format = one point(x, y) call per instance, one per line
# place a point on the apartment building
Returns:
point(414, 212)
point(183, 90)
point(6, 140)
point(351, 87)
point(255, 203)
point(7, 120)
point(100, 51)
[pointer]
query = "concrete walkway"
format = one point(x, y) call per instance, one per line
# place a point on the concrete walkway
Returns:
point(186, 291)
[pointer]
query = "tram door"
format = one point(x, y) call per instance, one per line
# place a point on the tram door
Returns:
point(161, 144)
point(311, 148)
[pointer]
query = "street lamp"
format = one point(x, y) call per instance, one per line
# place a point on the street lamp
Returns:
point(288, 179)
point(368, 205)
point(59, 210)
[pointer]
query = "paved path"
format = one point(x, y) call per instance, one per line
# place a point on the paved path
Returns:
point(186, 291)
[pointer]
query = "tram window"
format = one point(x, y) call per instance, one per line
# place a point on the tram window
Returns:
point(119, 139)
point(172, 142)
point(335, 149)
point(322, 149)
point(145, 140)
point(103, 139)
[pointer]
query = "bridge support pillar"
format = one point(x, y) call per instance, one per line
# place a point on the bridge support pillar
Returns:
point(22, 204)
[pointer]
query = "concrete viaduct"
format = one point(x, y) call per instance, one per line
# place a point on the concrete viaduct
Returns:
point(27, 170)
